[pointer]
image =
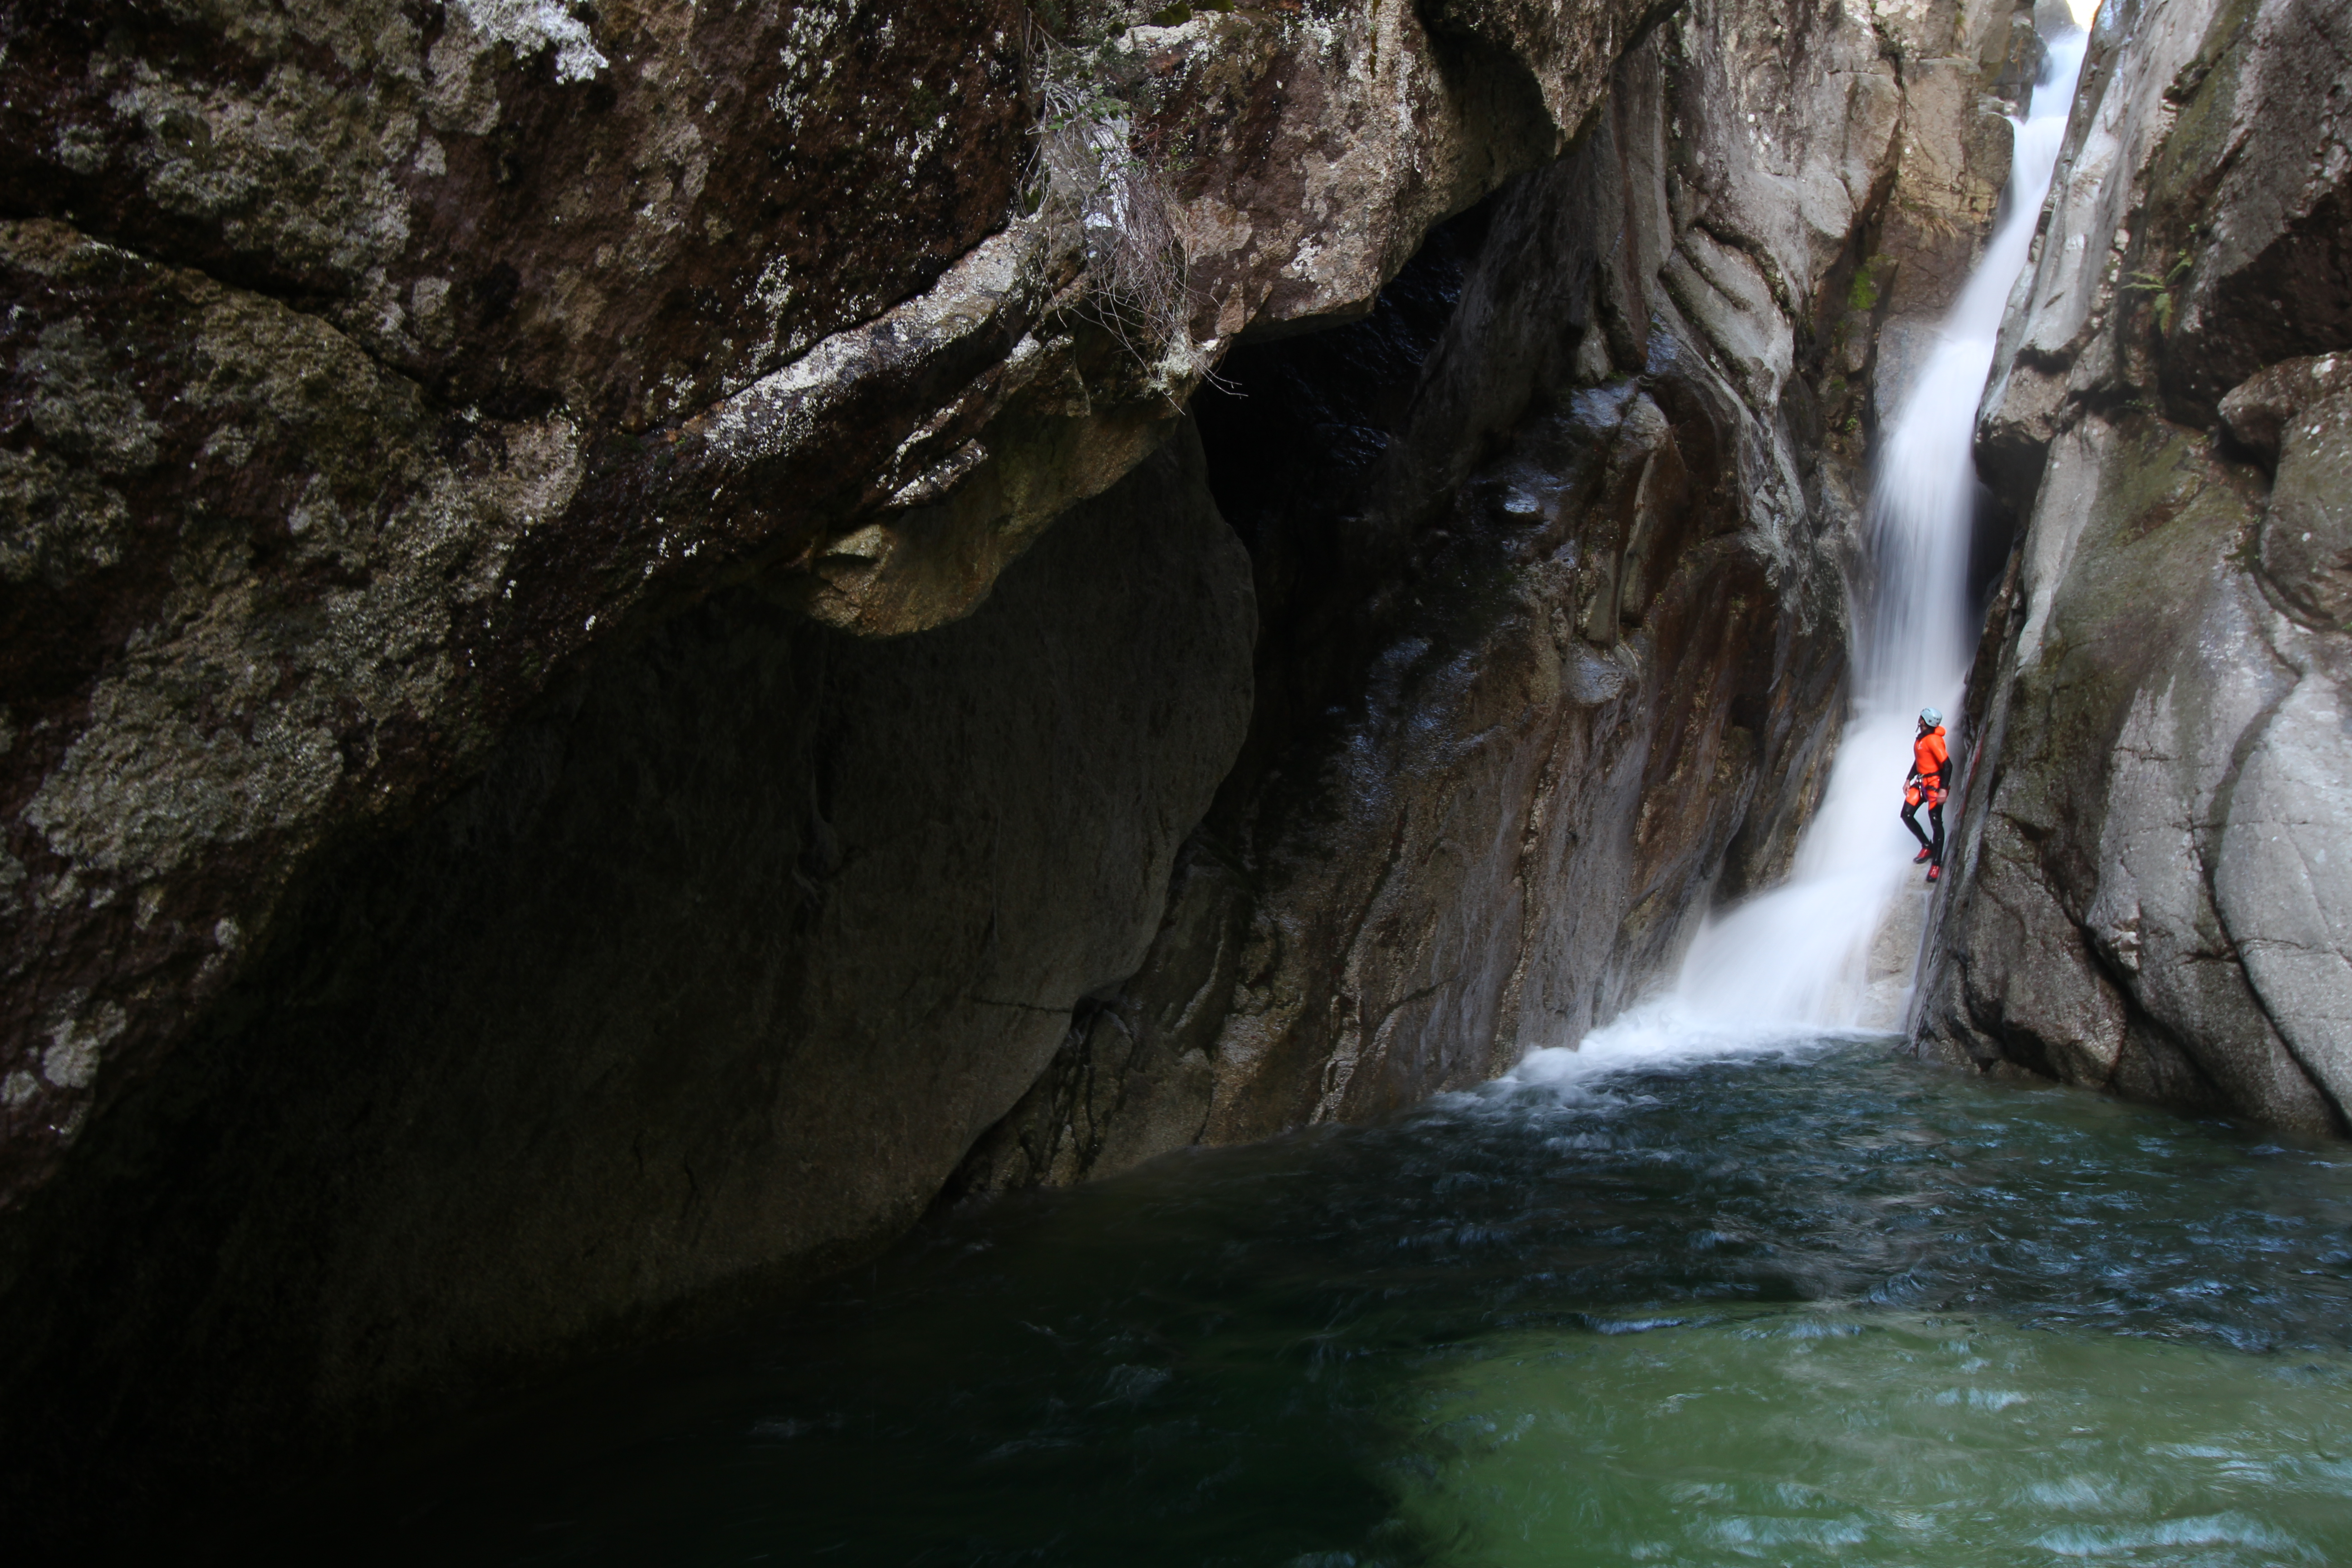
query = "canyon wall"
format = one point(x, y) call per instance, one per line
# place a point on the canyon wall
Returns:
point(1552, 557)
point(2152, 887)
point(629, 658)
point(372, 367)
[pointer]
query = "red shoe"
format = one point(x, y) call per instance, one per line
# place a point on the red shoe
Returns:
point(1921, 858)
point(1935, 873)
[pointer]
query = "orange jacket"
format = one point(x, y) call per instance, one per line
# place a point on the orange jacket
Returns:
point(1928, 759)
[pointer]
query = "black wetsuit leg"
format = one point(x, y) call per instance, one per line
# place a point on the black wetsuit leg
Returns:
point(1911, 821)
point(1935, 850)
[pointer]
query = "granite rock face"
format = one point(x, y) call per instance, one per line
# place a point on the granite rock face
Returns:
point(371, 367)
point(2153, 881)
point(1551, 563)
point(1964, 70)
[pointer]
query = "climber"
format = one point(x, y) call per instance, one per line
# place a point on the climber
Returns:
point(1924, 783)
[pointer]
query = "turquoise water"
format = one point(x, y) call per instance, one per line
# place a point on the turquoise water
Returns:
point(1813, 1305)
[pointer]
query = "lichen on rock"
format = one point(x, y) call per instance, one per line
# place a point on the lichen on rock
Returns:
point(529, 27)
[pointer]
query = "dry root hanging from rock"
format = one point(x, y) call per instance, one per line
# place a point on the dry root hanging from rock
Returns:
point(1090, 175)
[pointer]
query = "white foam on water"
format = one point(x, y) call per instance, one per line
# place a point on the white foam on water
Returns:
point(1666, 1032)
point(1797, 956)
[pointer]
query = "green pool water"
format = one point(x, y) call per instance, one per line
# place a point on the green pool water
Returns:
point(1664, 1303)
point(1882, 1438)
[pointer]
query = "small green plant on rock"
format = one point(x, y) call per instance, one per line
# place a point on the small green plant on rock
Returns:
point(2161, 285)
point(1861, 294)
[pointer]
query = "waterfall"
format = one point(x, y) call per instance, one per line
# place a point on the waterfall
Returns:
point(1798, 955)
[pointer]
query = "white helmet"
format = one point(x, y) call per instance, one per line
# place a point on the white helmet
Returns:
point(1931, 717)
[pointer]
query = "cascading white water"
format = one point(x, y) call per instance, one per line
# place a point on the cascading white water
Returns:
point(1798, 955)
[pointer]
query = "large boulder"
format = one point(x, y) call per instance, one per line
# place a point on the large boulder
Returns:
point(704, 987)
point(369, 368)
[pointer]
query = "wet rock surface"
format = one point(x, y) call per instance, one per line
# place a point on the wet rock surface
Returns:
point(2152, 882)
